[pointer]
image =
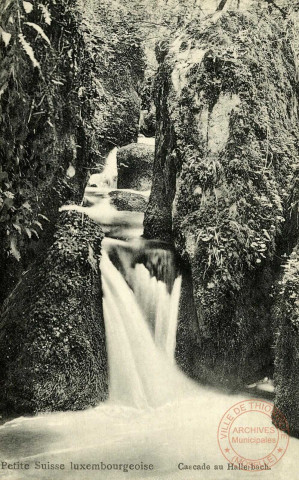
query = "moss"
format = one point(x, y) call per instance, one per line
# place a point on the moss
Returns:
point(223, 174)
point(129, 201)
point(52, 335)
point(135, 166)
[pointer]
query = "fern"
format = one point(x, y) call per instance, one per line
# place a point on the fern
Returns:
point(29, 50)
point(39, 31)
point(5, 36)
point(28, 7)
point(46, 14)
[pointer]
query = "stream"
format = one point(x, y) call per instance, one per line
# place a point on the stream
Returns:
point(156, 422)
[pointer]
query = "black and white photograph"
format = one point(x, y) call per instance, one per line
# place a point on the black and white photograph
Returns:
point(149, 225)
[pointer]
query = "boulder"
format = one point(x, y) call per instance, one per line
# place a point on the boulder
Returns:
point(120, 199)
point(130, 201)
point(52, 335)
point(226, 145)
point(135, 166)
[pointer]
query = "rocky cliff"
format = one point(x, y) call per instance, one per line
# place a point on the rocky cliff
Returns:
point(287, 343)
point(68, 93)
point(227, 144)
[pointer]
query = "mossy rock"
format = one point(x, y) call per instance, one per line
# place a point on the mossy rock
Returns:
point(121, 200)
point(135, 166)
point(226, 147)
point(52, 335)
point(129, 201)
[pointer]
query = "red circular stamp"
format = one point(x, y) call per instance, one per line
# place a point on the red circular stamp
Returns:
point(253, 435)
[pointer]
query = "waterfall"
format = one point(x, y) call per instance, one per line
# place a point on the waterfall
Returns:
point(154, 414)
point(108, 177)
point(140, 354)
point(141, 292)
point(114, 223)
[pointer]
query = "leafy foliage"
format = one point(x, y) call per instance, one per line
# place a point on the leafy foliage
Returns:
point(116, 64)
point(67, 94)
point(236, 202)
point(34, 79)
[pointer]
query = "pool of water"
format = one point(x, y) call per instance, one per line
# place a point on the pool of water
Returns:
point(182, 432)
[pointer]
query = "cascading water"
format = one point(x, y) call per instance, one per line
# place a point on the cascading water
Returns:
point(101, 210)
point(154, 414)
point(149, 271)
point(108, 177)
point(141, 292)
point(140, 325)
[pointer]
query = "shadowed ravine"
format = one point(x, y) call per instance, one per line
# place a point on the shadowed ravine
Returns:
point(154, 414)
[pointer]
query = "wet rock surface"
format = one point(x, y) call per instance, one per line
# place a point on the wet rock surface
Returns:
point(57, 125)
point(132, 202)
point(135, 166)
point(52, 335)
point(287, 343)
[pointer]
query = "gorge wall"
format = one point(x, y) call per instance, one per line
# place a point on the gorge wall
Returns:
point(70, 72)
point(286, 317)
point(287, 344)
point(227, 146)
point(68, 93)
